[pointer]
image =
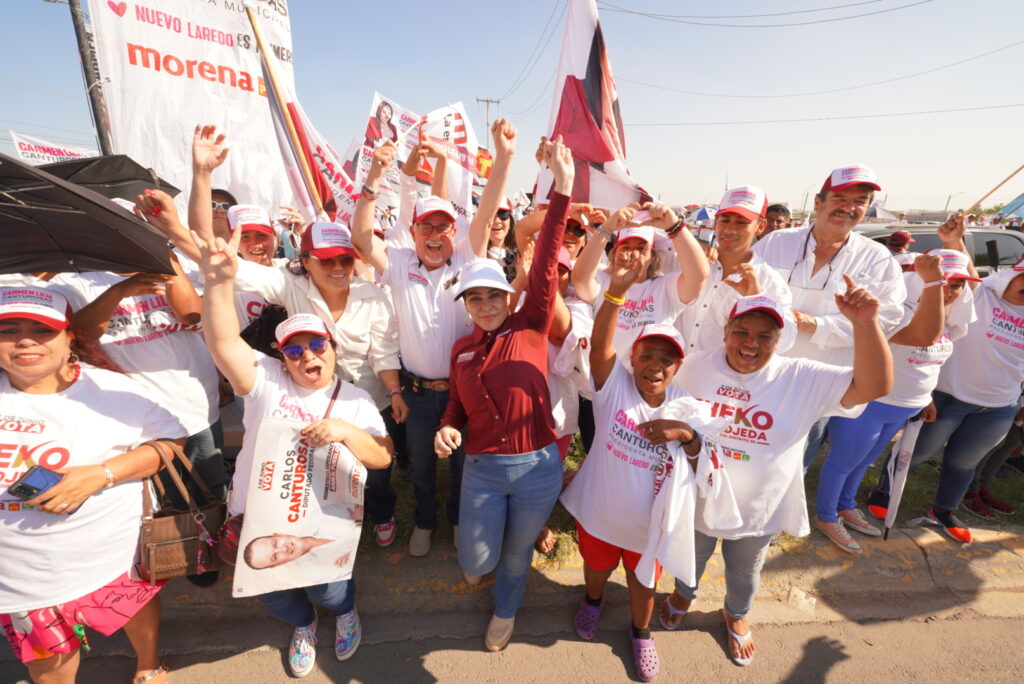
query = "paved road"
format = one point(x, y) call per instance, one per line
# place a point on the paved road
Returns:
point(961, 646)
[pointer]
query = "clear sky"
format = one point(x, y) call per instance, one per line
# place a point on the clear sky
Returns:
point(425, 54)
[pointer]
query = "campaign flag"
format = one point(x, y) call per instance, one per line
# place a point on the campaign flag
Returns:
point(303, 512)
point(585, 112)
point(36, 151)
point(450, 127)
point(168, 65)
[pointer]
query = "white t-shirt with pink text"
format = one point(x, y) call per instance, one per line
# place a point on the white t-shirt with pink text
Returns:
point(274, 394)
point(652, 301)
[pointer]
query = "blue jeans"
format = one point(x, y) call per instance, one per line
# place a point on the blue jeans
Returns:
point(506, 499)
point(854, 444)
point(968, 432)
point(425, 412)
point(293, 605)
point(815, 438)
point(743, 558)
point(208, 462)
point(379, 496)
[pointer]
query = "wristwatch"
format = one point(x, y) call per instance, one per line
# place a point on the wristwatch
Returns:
point(369, 193)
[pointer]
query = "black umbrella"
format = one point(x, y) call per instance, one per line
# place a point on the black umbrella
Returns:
point(114, 175)
point(48, 224)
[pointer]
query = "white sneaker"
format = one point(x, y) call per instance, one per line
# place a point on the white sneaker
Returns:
point(302, 651)
point(499, 633)
point(419, 542)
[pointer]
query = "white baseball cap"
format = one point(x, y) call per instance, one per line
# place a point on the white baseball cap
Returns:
point(954, 264)
point(425, 206)
point(250, 217)
point(748, 201)
point(299, 323)
point(645, 233)
point(482, 273)
point(847, 177)
point(325, 240)
point(758, 302)
point(44, 306)
point(664, 331)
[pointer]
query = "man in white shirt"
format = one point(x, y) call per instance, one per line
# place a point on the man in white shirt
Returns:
point(813, 261)
point(421, 279)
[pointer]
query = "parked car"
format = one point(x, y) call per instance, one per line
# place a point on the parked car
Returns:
point(1008, 243)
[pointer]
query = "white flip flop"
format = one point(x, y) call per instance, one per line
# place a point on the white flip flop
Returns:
point(672, 612)
point(740, 639)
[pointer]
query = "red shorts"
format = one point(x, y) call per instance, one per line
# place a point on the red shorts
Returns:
point(599, 555)
point(45, 632)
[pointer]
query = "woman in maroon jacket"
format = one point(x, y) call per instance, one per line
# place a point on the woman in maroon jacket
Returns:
point(499, 395)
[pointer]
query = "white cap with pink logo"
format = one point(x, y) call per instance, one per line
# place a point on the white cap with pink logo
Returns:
point(758, 302)
point(299, 323)
point(748, 201)
point(645, 233)
point(250, 217)
point(847, 177)
point(43, 306)
point(425, 206)
point(326, 240)
point(666, 332)
point(954, 264)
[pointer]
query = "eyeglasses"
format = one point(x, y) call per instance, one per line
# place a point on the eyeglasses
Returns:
point(294, 352)
point(576, 229)
point(504, 214)
point(803, 256)
point(223, 206)
point(425, 228)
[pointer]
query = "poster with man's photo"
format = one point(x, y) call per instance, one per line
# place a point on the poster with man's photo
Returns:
point(303, 512)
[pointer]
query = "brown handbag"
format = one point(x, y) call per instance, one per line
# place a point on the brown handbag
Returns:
point(174, 542)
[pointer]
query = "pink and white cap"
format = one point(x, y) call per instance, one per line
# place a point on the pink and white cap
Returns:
point(954, 264)
point(664, 331)
point(425, 206)
point(850, 176)
point(645, 233)
point(749, 201)
point(325, 240)
point(505, 203)
point(299, 323)
point(43, 306)
point(759, 302)
point(250, 217)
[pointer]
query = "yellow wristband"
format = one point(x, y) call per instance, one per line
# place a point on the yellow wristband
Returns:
point(617, 301)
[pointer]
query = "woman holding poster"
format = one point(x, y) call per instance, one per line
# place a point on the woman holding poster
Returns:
point(301, 386)
point(499, 395)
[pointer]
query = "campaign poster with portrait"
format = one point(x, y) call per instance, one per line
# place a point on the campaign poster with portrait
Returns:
point(303, 513)
point(387, 121)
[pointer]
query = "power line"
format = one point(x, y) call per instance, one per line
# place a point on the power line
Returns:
point(533, 105)
point(832, 90)
point(801, 23)
point(41, 92)
point(534, 54)
point(830, 118)
point(54, 128)
point(611, 7)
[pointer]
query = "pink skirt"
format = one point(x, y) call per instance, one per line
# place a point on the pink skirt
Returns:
point(45, 632)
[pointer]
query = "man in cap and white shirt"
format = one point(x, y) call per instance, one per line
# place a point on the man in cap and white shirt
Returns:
point(422, 280)
point(813, 261)
point(737, 272)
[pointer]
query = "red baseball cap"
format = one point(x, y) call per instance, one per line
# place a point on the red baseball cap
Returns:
point(848, 177)
point(251, 217)
point(900, 238)
point(325, 240)
point(43, 306)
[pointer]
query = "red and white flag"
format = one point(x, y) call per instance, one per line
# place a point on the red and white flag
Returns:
point(330, 182)
point(585, 112)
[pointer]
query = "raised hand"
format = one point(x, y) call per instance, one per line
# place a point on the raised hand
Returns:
point(157, 208)
point(928, 267)
point(383, 158)
point(504, 135)
point(143, 284)
point(858, 305)
point(746, 284)
point(219, 259)
point(952, 232)
point(558, 157)
point(620, 218)
point(624, 272)
point(208, 151)
point(662, 215)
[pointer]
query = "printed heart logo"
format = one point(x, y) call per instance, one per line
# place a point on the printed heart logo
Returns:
point(119, 7)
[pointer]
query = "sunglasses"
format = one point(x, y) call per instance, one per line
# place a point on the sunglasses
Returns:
point(504, 214)
point(425, 228)
point(339, 260)
point(575, 228)
point(223, 206)
point(295, 351)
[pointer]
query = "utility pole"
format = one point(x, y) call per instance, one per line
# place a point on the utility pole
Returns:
point(92, 81)
point(488, 102)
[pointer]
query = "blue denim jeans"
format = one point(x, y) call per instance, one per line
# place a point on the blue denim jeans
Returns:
point(379, 496)
point(506, 499)
point(425, 412)
point(968, 432)
point(293, 605)
point(854, 444)
point(815, 438)
point(743, 558)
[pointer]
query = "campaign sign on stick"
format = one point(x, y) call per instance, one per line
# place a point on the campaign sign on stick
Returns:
point(36, 151)
point(388, 121)
point(303, 512)
point(167, 65)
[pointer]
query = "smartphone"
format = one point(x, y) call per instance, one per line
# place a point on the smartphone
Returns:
point(34, 482)
point(640, 218)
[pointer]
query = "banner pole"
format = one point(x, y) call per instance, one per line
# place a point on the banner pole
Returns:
point(307, 175)
point(92, 81)
point(977, 205)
